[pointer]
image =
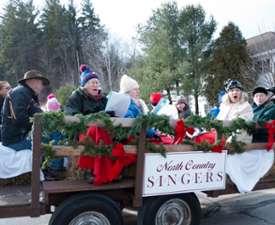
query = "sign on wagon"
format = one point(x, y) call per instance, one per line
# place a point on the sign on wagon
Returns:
point(183, 172)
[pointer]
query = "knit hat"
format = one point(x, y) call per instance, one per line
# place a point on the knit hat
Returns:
point(86, 74)
point(127, 84)
point(259, 90)
point(231, 84)
point(181, 100)
point(52, 103)
point(155, 98)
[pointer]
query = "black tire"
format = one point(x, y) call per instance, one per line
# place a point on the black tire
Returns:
point(93, 204)
point(152, 211)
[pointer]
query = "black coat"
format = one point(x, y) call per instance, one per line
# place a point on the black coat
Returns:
point(19, 106)
point(2, 98)
point(82, 103)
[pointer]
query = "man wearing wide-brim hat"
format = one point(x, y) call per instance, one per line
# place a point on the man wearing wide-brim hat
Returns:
point(19, 106)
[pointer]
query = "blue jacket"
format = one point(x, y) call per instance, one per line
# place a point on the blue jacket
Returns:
point(133, 110)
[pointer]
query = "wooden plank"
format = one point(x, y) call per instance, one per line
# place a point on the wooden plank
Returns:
point(21, 210)
point(65, 186)
point(124, 122)
point(71, 151)
point(35, 183)
point(253, 146)
point(15, 195)
point(61, 150)
point(137, 202)
point(16, 211)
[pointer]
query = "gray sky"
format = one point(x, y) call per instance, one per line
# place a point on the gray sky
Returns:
point(121, 17)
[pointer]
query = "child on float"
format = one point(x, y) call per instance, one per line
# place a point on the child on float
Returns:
point(53, 105)
point(183, 108)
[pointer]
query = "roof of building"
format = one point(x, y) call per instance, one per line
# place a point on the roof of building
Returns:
point(261, 43)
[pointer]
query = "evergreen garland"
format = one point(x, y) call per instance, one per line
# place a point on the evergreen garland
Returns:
point(48, 155)
point(93, 149)
point(160, 123)
point(236, 126)
point(55, 121)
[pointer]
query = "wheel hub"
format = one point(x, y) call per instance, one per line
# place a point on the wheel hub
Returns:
point(90, 218)
point(174, 212)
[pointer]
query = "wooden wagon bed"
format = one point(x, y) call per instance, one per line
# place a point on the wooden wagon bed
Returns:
point(27, 201)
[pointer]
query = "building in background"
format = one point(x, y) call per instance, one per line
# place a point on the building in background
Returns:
point(262, 52)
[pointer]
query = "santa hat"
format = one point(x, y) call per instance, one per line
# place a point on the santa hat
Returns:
point(52, 103)
point(127, 84)
point(155, 98)
point(86, 74)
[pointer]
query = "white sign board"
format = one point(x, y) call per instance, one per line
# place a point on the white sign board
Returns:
point(183, 172)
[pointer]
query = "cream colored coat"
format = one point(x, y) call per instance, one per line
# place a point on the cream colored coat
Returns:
point(230, 111)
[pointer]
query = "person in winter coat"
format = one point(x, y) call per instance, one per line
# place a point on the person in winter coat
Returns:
point(158, 101)
point(20, 105)
point(235, 105)
point(263, 110)
point(4, 89)
point(87, 98)
point(183, 108)
point(52, 104)
point(131, 87)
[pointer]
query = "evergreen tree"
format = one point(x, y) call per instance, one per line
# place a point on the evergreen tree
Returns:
point(160, 38)
point(60, 42)
point(196, 39)
point(92, 36)
point(19, 39)
point(230, 61)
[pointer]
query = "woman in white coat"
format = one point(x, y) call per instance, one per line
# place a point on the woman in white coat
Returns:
point(235, 105)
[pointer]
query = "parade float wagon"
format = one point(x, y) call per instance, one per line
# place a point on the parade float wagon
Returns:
point(162, 189)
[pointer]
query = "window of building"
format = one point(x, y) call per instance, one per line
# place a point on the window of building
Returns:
point(266, 66)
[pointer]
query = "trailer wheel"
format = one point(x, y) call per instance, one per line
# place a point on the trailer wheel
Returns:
point(87, 209)
point(181, 209)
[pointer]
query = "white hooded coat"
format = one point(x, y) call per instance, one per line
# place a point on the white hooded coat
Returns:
point(230, 111)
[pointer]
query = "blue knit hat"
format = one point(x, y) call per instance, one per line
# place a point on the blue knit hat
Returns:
point(86, 74)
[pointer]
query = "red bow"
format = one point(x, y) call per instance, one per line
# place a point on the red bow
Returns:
point(179, 132)
point(270, 126)
point(211, 138)
point(105, 168)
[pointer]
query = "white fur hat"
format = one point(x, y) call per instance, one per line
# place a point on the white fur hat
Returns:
point(127, 84)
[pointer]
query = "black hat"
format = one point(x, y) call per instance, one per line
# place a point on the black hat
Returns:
point(259, 90)
point(230, 84)
point(34, 74)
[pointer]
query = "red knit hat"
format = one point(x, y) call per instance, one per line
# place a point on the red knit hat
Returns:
point(155, 98)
